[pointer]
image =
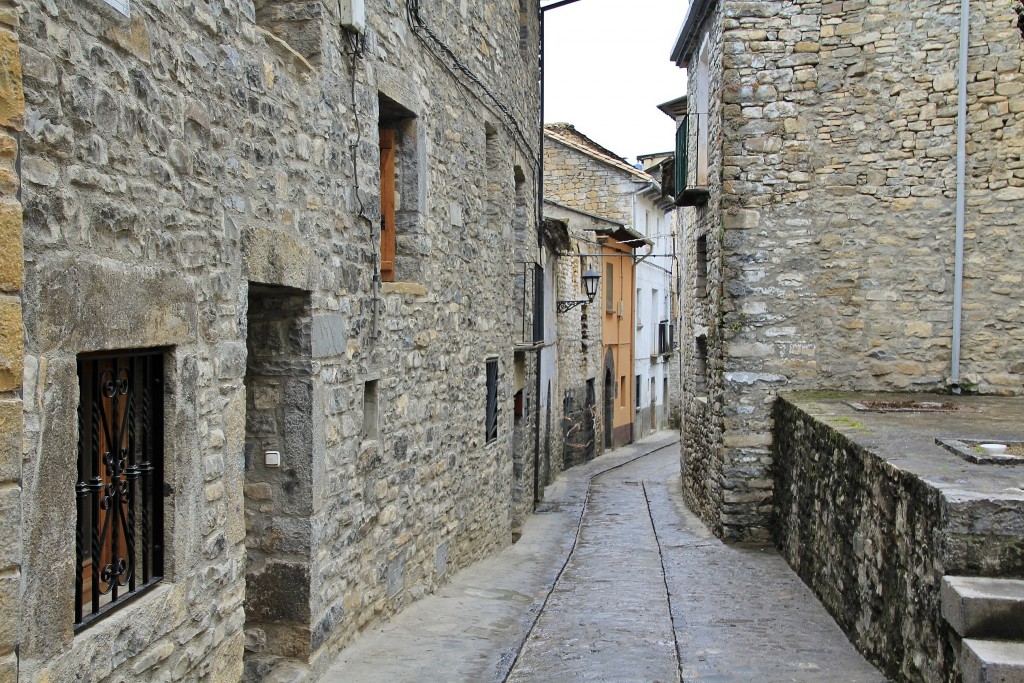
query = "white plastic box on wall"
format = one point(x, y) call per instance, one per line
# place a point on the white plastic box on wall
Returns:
point(353, 14)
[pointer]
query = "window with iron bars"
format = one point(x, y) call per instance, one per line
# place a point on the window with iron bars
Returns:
point(119, 544)
point(492, 400)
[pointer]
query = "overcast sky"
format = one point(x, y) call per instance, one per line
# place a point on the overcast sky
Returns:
point(607, 68)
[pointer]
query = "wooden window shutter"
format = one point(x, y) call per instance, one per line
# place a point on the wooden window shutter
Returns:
point(387, 204)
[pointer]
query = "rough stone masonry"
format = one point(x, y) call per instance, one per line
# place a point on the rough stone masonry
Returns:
point(203, 178)
point(827, 241)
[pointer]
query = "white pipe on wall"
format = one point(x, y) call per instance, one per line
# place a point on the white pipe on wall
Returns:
point(961, 191)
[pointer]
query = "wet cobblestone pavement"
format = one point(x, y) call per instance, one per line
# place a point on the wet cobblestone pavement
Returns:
point(604, 587)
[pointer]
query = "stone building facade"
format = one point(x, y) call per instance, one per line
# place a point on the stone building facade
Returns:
point(821, 172)
point(621, 209)
point(316, 414)
point(12, 345)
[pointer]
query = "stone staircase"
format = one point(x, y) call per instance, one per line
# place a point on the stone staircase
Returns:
point(988, 616)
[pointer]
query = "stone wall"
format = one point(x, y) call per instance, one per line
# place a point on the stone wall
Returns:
point(579, 355)
point(873, 539)
point(176, 161)
point(703, 456)
point(12, 119)
point(837, 218)
point(575, 179)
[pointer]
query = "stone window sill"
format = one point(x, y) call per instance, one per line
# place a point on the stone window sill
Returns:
point(404, 288)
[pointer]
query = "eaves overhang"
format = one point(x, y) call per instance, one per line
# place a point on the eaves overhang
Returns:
point(685, 43)
point(626, 236)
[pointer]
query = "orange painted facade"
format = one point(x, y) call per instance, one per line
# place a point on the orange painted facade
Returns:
point(617, 286)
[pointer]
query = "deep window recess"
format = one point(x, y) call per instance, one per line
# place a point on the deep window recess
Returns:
point(401, 193)
point(702, 266)
point(492, 400)
point(700, 374)
point(387, 204)
point(119, 539)
point(538, 303)
point(370, 410)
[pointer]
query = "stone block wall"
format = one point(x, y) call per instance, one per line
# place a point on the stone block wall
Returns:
point(579, 357)
point(12, 119)
point(837, 223)
point(873, 539)
point(574, 179)
point(867, 539)
point(180, 158)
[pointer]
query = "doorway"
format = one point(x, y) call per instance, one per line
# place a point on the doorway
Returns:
point(278, 477)
point(609, 405)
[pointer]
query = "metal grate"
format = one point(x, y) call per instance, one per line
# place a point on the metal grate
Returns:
point(119, 494)
point(492, 400)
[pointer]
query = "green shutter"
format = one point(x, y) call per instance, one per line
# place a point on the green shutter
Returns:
point(681, 152)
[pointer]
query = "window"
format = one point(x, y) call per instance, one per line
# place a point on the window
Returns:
point(370, 410)
point(524, 26)
point(387, 204)
point(491, 424)
point(622, 391)
point(636, 397)
point(402, 193)
point(609, 288)
point(119, 545)
point(702, 266)
point(700, 374)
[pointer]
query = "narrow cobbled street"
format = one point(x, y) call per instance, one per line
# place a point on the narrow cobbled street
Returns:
point(614, 580)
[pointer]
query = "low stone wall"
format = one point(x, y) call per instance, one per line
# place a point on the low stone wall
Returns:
point(867, 538)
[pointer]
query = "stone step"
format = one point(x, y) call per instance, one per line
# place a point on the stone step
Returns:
point(992, 661)
point(978, 607)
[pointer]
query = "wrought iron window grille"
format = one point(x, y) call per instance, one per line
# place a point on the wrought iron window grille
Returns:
point(119, 551)
point(492, 400)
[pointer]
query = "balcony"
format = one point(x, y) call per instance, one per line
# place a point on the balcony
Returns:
point(666, 338)
point(691, 163)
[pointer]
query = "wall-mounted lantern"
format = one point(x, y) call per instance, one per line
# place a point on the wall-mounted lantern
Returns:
point(590, 279)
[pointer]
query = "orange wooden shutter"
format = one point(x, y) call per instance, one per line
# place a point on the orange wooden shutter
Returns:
point(387, 204)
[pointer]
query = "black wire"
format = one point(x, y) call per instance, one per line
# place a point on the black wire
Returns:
point(508, 118)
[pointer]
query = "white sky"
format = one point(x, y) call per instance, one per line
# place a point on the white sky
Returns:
point(607, 67)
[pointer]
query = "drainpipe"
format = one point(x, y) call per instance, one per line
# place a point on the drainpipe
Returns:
point(961, 191)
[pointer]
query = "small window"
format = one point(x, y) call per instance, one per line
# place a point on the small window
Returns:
point(387, 204)
point(636, 397)
point(491, 423)
point(119, 539)
point(622, 391)
point(609, 289)
point(402, 194)
point(700, 374)
point(370, 411)
point(702, 266)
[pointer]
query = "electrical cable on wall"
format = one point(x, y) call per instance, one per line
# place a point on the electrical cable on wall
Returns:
point(508, 118)
point(357, 43)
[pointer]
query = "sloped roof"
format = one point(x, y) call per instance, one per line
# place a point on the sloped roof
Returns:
point(567, 135)
point(695, 16)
